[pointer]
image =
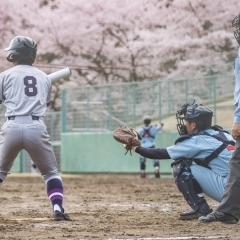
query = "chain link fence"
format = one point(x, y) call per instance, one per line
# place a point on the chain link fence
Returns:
point(104, 107)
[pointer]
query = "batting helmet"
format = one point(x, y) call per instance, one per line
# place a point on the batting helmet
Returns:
point(21, 48)
point(147, 120)
point(197, 113)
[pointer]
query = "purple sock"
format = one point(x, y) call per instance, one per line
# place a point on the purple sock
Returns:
point(55, 192)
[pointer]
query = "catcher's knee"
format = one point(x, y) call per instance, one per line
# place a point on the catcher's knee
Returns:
point(180, 166)
point(192, 192)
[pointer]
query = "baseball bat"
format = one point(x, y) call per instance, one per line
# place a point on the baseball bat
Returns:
point(55, 76)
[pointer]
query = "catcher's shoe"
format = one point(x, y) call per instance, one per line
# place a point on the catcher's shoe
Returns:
point(219, 217)
point(193, 214)
point(60, 216)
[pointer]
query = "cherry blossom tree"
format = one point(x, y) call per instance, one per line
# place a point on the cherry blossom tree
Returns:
point(106, 41)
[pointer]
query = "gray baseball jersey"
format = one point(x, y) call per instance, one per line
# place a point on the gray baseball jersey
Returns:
point(25, 91)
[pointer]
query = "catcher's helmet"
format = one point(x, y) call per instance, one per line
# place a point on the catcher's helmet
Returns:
point(21, 48)
point(197, 113)
point(147, 120)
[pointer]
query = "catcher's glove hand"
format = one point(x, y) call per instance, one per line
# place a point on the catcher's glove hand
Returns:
point(128, 136)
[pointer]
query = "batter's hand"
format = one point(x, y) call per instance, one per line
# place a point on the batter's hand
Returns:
point(235, 130)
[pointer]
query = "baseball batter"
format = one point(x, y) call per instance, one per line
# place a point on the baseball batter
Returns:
point(26, 91)
point(201, 155)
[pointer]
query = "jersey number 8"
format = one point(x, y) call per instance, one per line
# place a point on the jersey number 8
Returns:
point(30, 82)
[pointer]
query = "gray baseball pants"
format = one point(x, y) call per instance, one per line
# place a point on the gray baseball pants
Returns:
point(23, 132)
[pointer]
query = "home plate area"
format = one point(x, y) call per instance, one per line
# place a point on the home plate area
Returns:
point(102, 206)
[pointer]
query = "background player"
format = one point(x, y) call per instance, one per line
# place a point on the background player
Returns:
point(210, 148)
point(148, 133)
point(26, 91)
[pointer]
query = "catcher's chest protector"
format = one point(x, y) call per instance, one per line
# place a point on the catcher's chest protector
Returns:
point(147, 133)
point(220, 137)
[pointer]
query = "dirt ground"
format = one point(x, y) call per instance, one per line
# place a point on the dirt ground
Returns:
point(105, 206)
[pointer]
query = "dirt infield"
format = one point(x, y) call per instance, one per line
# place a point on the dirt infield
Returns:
point(102, 207)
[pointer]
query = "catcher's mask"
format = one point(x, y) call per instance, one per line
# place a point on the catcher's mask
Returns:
point(147, 120)
point(236, 24)
point(197, 113)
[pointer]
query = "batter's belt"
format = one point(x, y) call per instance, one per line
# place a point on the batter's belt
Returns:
point(13, 117)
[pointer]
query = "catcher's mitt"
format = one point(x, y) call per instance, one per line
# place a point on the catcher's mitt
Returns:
point(128, 136)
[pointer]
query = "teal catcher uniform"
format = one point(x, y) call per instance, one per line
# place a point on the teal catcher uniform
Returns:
point(213, 179)
point(200, 158)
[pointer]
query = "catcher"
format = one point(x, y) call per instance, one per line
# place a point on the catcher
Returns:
point(200, 157)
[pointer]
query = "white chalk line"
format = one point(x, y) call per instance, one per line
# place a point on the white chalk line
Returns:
point(163, 207)
point(177, 238)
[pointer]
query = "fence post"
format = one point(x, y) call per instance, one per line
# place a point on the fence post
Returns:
point(126, 115)
point(88, 110)
point(214, 99)
point(23, 161)
point(63, 111)
point(169, 95)
point(110, 107)
point(134, 104)
point(186, 91)
point(159, 101)
point(52, 129)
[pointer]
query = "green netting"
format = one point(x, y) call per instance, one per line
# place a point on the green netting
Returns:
point(104, 107)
